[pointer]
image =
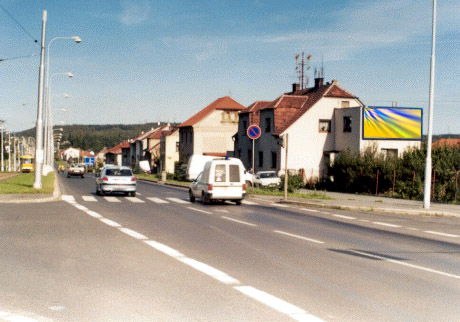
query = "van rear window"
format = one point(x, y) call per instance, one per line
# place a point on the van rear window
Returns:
point(220, 173)
point(234, 173)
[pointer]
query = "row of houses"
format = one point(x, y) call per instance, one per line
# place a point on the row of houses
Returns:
point(315, 124)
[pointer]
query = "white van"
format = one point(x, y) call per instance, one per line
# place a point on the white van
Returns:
point(221, 179)
point(195, 165)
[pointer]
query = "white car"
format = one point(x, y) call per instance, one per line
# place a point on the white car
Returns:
point(116, 179)
point(221, 179)
point(266, 179)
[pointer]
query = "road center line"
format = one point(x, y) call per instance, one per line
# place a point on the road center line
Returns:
point(239, 221)
point(93, 214)
point(406, 264)
point(210, 271)
point(299, 237)
point(277, 304)
point(110, 222)
point(311, 210)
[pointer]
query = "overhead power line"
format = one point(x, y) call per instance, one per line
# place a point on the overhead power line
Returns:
point(17, 22)
point(3, 59)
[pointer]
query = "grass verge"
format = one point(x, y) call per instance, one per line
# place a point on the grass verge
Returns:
point(275, 192)
point(24, 184)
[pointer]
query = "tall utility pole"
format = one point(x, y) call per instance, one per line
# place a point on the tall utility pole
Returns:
point(3, 167)
point(286, 180)
point(428, 166)
point(39, 127)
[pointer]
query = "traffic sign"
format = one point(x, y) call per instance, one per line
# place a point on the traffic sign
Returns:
point(254, 132)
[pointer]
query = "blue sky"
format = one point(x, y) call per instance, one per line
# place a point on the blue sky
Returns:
point(147, 61)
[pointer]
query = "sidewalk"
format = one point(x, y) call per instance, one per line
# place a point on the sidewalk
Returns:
point(344, 201)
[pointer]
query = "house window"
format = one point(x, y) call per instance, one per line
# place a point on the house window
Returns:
point(177, 146)
point(274, 159)
point(345, 104)
point(390, 153)
point(325, 125)
point(261, 159)
point(268, 123)
point(347, 123)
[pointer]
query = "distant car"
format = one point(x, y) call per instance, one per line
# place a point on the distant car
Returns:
point(76, 170)
point(266, 179)
point(116, 179)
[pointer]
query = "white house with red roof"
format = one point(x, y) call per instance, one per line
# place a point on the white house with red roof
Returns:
point(210, 131)
point(319, 122)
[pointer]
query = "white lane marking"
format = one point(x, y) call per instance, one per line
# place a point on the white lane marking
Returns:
point(345, 217)
point(325, 212)
point(157, 200)
point(135, 200)
point(68, 198)
point(223, 211)
point(199, 210)
point(385, 224)
point(406, 264)
point(249, 203)
point(164, 249)
point(89, 198)
point(277, 304)
point(110, 222)
point(210, 271)
point(132, 233)
point(280, 205)
point(178, 200)
point(364, 220)
point(299, 237)
point(441, 234)
point(78, 206)
point(239, 221)
point(312, 210)
point(111, 199)
point(93, 214)
point(7, 316)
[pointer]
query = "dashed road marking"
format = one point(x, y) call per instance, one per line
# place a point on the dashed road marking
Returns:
point(210, 271)
point(110, 222)
point(7, 316)
point(441, 234)
point(112, 199)
point(299, 237)
point(81, 207)
point(132, 233)
point(280, 205)
point(135, 200)
point(178, 200)
point(239, 221)
point(406, 264)
point(386, 224)
point(199, 210)
point(311, 210)
point(223, 211)
point(157, 200)
point(277, 304)
point(68, 198)
point(89, 198)
point(93, 214)
point(345, 217)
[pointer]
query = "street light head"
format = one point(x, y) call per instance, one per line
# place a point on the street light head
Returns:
point(77, 39)
point(69, 75)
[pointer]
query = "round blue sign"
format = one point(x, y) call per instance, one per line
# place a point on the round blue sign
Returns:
point(254, 132)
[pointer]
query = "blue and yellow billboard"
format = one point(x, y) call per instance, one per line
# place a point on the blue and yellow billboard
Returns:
point(392, 123)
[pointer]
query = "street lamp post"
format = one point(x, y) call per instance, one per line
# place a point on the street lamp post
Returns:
point(428, 166)
point(1, 123)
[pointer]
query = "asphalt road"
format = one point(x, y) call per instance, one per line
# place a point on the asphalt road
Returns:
point(158, 257)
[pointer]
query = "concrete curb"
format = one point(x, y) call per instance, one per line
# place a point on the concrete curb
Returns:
point(15, 199)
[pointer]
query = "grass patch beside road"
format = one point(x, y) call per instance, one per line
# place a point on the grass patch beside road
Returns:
point(23, 183)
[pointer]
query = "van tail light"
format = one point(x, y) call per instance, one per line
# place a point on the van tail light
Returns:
point(244, 187)
point(133, 179)
point(105, 179)
point(209, 187)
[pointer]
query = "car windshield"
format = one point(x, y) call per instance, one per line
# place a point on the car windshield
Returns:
point(268, 175)
point(118, 172)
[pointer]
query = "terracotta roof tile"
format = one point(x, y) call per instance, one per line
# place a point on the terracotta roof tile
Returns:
point(223, 103)
point(454, 143)
point(117, 149)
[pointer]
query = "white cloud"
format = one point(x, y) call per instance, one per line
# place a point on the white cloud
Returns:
point(134, 12)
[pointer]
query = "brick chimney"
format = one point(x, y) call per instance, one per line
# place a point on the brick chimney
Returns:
point(319, 82)
point(295, 87)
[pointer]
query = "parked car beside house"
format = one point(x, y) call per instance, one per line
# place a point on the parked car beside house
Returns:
point(266, 179)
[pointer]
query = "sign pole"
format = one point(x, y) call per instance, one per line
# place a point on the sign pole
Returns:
point(253, 152)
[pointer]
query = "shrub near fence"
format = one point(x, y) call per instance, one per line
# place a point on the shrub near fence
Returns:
point(372, 173)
